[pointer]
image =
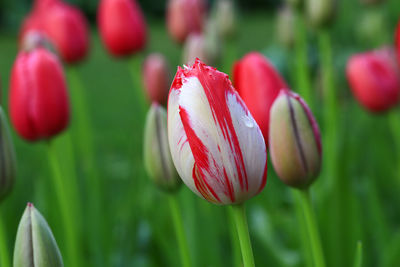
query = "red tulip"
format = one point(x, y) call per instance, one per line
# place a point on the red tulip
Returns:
point(63, 24)
point(39, 107)
point(185, 17)
point(122, 26)
point(156, 78)
point(374, 78)
point(258, 83)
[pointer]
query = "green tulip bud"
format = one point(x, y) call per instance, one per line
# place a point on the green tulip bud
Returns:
point(294, 139)
point(320, 12)
point(285, 26)
point(7, 158)
point(35, 245)
point(157, 157)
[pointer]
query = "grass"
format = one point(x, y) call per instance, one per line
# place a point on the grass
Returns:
point(137, 228)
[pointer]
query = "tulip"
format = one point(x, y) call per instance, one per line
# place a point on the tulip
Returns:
point(320, 12)
point(374, 79)
point(39, 106)
point(216, 145)
point(35, 244)
point(195, 47)
point(63, 24)
point(156, 78)
point(185, 17)
point(224, 14)
point(285, 26)
point(122, 26)
point(294, 138)
point(258, 83)
point(157, 157)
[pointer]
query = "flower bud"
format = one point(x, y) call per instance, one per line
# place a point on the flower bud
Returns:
point(7, 157)
point(285, 26)
point(224, 16)
point(370, 27)
point(35, 245)
point(374, 78)
point(294, 139)
point(38, 99)
point(157, 157)
point(185, 17)
point(122, 26)
point(34, 39)
point(156, 78)
point(196, 47)
point(320, 12)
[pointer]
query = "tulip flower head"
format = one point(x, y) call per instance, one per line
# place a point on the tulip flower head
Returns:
point(7, 158)
point(224, 14)
point(320, 12)
point(294, 139)
point(35, 244)
point(122, 26)
point(185, 17)
point(216, 145)
point(195, 47)
point(374, 78)
point(157, 157)
point(258, 83)
point(38, 99)
point(156, 78)
point(61, 23)
point(285, 26)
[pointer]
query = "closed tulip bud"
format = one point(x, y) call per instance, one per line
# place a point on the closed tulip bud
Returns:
point(196, 47)
point(185, 17)
point(156, 78)
point(34, 39)
point(258, 83)
point(294, 139)
point(7, 158)
point(285, 26)
point(320, 12)
point(122, 26)
point(63, 24)
point(224, 14)
point(374, 79)
point(35, 244)
point(38, 99)
point(157, 157)
point(370, 26)
point(216, 145)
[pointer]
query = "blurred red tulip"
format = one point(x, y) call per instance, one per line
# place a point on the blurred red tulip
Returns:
point(185, 17)
point(63, 24)
point(156, 78)
point(39, 106)
point(122, 26)
point(374, 78)
point(258, 83)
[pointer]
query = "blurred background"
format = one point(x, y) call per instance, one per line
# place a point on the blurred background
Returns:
point(136, 225)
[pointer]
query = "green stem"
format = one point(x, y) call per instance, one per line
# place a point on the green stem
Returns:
point(4, 252)
point(312, 229)
point(61, 187)
point(237, 261)
point(239, 214)
point(358, 255)
point(180, 231)
point(302, 69)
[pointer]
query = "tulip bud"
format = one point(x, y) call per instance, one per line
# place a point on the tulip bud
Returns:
point(35, 244)
point(195, 47)
point(320, 12)
point(34, 39)
point(258, 83)
point(294, 139)
point(38, 99)
point(63, 24)
point(156, 78)
point(157, 157)
point(216, 145)
point(7, 158)
point(374, 78)
point(370, 27)
point(224, 16)
point(122, 26)
point(185, 17)
point(285, 26)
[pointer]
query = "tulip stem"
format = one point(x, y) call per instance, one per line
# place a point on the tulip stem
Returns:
point(239, 214)
point(179, 230)
point(4, 252)
point(64, 198)
point(312, 229)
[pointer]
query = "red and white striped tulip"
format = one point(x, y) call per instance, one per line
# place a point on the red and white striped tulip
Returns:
point(156, 78)
point(374, 78)
point(258, 83)
point(216, 145)
point(122, 26)
point(185, 17)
